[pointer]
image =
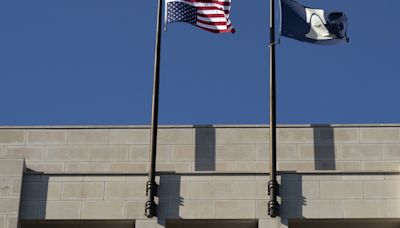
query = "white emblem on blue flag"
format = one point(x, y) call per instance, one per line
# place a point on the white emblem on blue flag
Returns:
point(318, 29)
point(312, 25)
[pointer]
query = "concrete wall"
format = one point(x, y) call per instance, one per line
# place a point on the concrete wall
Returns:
point(206, 172)
point(11, 171)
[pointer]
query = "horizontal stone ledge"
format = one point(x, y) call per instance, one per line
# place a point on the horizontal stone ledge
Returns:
point(199, 126)
point(218, 173)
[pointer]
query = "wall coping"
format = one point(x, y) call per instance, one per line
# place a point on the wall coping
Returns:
point(197, 126)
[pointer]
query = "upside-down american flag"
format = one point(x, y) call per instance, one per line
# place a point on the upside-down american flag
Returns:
point(211, 15)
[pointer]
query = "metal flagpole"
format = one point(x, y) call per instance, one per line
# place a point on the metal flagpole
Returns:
point(273, 187)
point(151, 187)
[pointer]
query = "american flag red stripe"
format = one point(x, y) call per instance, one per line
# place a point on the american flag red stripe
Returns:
point(212, 15)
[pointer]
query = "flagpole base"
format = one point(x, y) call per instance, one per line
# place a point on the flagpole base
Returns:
point(151, 206)
point(273, 209)
point(273, 205)
point(151, 209)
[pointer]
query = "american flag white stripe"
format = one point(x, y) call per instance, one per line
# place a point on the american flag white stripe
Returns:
point(206, 4)
point(212, 15)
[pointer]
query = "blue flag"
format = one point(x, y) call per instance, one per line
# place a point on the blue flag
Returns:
point(312, 25)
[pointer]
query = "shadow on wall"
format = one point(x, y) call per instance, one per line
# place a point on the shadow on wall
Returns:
point(292, 199)
point(204, 148)
point(324, 147)
point(35, 191)
point(170, 199)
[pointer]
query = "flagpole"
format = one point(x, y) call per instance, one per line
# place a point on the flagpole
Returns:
point(273, 187)
point(151, 186)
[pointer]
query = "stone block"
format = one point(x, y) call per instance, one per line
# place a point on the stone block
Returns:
point(214, 136)
point(108, 153)
point(143, 178)
point(295, 135)
point(129, 136)
point(262, 209)
point(225, 166)
point(174, 189)
point(393, 208)
point(262, 152)
point(321, 177)
point(66, 153)
point(361, 152)
point(88, 136)
point(46, 137)
point(250, 189)
point(272, 223)
point(235, 209)
point(47, 167)
point(252, 135)
point(286, 152)
point(364, 177)
point(130, 167)
point(374, 165)
point(391, 151)
point(176, 136)
point(9, 205)
point(341, 189)
point(135, 210)
point(66, 178)
point(5, 185)
point(338, 135)
point(150, 223)
point(183, 152)
point(12, 137)
point(380, 166)
point(364, 209)
point(103, 210)
point(251, 167)
point(53, 191)
point(30, 153)
point(212, 190)
point(310, 190)
point(318, 152)
point(322, 209)
point(379, 135)
point(346, 165)
point(392, 189)
point(87, 167)
point(391, 176)
point(12, 221)
point(125, 191)
point(296, 165)
point(122, 178)
point(59, 210)
point(3, 220)
point(242, 152)
point(382, 189)
point(139, 153)
point(178, 167)
point(11, 167)
point(190, 209)
point(82, 191)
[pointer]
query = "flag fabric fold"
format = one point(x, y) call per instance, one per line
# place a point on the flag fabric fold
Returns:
point(312, 25)
point(210, 15)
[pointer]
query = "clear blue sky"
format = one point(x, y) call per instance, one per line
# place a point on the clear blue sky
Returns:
point(91, 61)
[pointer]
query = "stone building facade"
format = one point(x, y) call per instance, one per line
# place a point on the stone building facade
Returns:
point(208, 176)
